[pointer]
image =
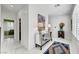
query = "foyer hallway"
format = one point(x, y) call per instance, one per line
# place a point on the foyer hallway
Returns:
point(28, 15)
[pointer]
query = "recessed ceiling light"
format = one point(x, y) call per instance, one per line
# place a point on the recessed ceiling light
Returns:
point(11, 6)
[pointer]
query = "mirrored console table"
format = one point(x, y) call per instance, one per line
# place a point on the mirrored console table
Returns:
point(42, 38)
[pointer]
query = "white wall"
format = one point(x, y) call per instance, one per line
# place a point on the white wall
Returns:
point(0, 15)
point(0, 25)
point(55, 20)
point(8, 15)
point(34, 10)
point(23, 14)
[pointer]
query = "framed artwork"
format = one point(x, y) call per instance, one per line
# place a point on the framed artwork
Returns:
point(41, 22)
point(41, 18)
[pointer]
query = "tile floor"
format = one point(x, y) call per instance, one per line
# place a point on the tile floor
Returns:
point(10, 46)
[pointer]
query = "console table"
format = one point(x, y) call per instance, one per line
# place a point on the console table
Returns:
point(42, 39)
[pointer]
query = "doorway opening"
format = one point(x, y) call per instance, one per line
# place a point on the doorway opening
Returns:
point(8, 28)
point(19, 29)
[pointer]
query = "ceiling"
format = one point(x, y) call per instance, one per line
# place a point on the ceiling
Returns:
point(61, 9)
point(13, 7)
point(53, 9)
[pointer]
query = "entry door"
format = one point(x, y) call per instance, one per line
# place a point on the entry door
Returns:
point(20, 29)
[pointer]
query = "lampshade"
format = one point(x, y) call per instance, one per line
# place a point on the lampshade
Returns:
point(49, 25)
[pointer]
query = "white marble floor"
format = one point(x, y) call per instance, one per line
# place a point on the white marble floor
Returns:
point(10, 46)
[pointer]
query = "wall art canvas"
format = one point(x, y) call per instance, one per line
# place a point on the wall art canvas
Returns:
point(41, 22)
